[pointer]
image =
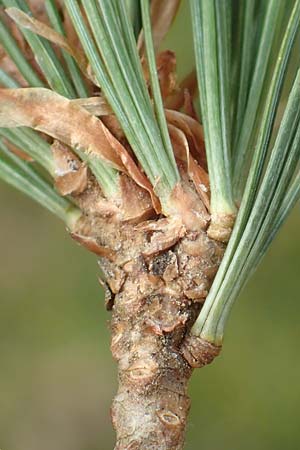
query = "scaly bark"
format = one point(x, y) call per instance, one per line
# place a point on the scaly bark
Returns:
point(157, 270)
point(157, 276)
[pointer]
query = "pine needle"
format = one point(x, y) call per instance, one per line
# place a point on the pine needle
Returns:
point(23, 177)
point(74, 70)
point(124, 90)
point(211, 42)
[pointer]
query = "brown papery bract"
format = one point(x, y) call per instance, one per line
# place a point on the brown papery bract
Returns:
point(60, 118)
point(177, 100)
point(193, 131)
point(196, 172)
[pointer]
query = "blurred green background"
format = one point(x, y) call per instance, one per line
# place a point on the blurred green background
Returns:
point(57, 377)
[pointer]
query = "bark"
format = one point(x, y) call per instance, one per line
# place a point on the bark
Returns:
point(152, 314)
point(156, 276)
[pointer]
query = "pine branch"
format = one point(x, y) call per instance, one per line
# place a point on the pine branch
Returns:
point(160, 255)
point(115, 62)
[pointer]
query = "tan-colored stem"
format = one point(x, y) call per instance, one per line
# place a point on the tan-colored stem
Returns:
point(151, 407)
point(157, 300)
point(157, 276)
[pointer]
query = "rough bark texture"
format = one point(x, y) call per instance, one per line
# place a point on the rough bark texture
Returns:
point(157, 275)
point(157, 270)
point(151, 315)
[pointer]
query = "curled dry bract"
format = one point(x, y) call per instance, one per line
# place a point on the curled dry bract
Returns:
point(62, 119)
